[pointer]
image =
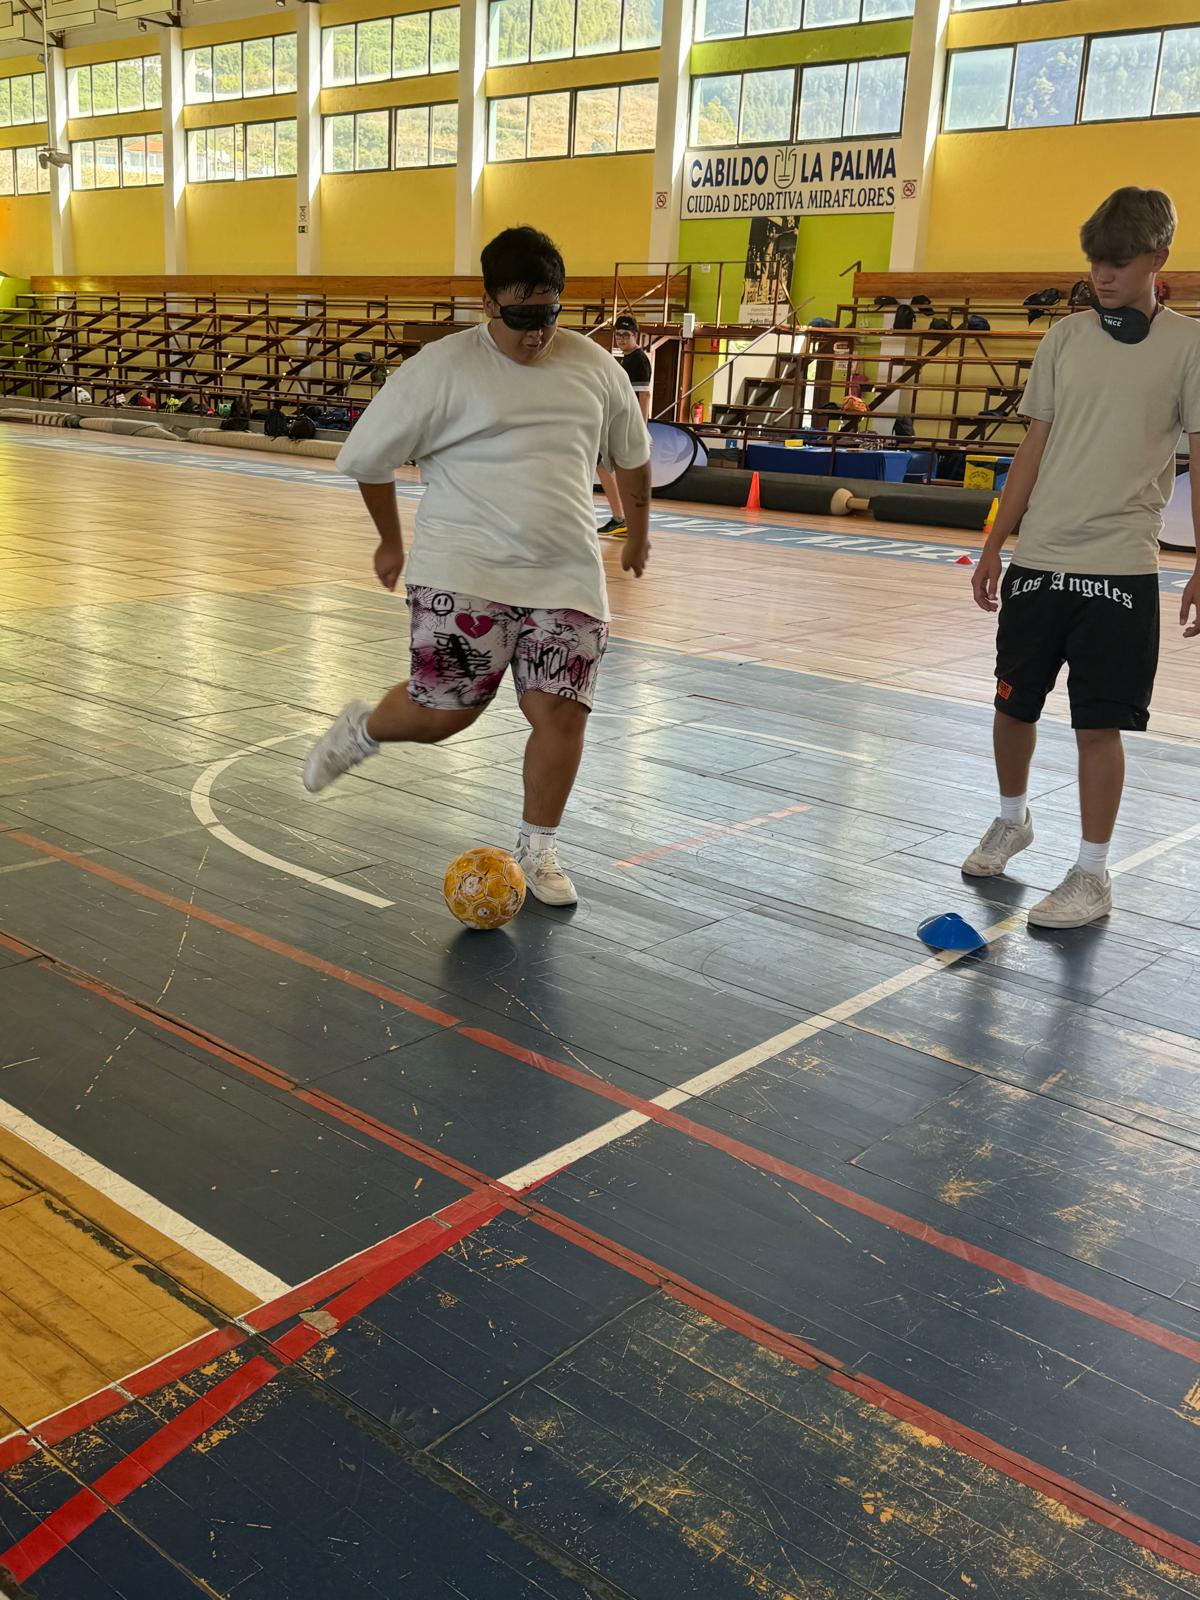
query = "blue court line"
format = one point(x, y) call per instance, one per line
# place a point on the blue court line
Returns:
point(889, 548)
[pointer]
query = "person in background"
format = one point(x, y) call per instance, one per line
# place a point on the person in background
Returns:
point(636, 364)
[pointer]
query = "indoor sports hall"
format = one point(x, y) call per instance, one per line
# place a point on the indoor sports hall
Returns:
point(778, 1210)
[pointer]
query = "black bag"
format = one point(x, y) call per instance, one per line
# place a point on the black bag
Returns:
point(275, 424)
point(302, 428)
point(905, 318)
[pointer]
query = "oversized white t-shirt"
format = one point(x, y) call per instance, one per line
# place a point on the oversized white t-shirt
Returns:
point(508, 453)
point(1116, 413)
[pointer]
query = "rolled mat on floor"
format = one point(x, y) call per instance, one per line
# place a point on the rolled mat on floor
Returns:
point(41, 419)
point(328, 448)
point(710, 486)
point(823, 497)
point(126, 425)
point(939, 508)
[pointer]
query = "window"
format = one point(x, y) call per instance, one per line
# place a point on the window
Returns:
point(580, 122)
point(1037, 84)
point(110, 86)
point(844, 99)
point(977, 89)
point(239, 71)
point(550, 30)
point(734, 19)
point(409, 136)
point(1045, 88)
point(1121, 73)
point(408, 46)
point(249, 150)
point(22, 173)
point(132, 162)
point(22, 99)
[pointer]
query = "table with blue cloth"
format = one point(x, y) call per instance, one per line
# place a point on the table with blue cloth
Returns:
point(816, 462)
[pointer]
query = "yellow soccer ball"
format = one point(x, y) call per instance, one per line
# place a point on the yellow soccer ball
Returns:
point(484, 888)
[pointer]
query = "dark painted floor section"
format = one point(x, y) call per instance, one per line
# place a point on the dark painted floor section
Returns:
point(650, 1401)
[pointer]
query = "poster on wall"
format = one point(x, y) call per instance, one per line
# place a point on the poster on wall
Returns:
point(791, 180)
point(770, 259)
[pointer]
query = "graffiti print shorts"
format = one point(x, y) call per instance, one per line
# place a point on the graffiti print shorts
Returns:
point(463, 646)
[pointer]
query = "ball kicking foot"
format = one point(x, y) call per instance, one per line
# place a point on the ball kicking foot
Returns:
point(999, 845)
point(545, 879)
point(1081, 898)
point(344, 744)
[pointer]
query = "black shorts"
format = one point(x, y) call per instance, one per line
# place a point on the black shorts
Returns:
point(1104, 629)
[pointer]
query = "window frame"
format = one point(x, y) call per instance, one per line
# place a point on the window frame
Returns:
point(574, 54)
point(428, 106)
point(797, 96)
point(239, 151)
point(73, 73)
point(393, 77)
point(1088, 41)
point(570, 154)
point(213, 98)
point(42, 184)
point(33, 79)
point(809, 27)
point(120, 139)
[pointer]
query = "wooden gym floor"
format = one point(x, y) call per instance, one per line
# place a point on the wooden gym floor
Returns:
point(713, 1240)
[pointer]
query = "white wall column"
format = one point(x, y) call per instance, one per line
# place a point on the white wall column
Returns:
point(308, 139)
point(918, 134)
point(674, 85)
point(62, 246)
point(174, 154)
point(472, 137)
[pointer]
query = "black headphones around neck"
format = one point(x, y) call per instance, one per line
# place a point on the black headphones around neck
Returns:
point(1126, 324)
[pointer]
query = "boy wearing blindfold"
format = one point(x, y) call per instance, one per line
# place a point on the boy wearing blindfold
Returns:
point(505, 422)
point(1112, 388)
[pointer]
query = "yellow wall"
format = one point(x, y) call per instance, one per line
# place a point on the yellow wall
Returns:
point(1006, 24)
point(242, 227)
point(1013, 201)
point(118, 230)
point(388, 222)
point(596, 208)
point(25, 234)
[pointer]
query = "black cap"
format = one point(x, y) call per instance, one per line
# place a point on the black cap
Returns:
point(625, 324)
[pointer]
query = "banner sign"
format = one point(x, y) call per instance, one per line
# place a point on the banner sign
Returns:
point(791, 180)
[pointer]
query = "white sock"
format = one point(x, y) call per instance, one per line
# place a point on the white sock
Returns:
point(1014, 807)
point(536, 840)
point(1093, 858)
point(359, 724)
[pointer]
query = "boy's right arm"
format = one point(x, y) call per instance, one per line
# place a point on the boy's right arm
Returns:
point(1018, 487)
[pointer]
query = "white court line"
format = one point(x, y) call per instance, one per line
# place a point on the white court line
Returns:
point(202, 808)
point(254, 1279)
point(725, 1071)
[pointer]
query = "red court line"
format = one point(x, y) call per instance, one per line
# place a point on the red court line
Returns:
point(1138, 1530)
point(713, 833)
point(17, 946)
point(1023, 1277)
point(291, 952)
point(57, 1531)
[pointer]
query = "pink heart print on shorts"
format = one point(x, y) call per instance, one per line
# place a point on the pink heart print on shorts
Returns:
point(474, 627)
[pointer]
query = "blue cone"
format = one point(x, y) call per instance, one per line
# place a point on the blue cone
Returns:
point(950, 932)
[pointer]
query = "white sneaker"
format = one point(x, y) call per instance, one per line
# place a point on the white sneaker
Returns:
point(999, 845)
point(1080, 898)
point(344, 744)
point(546, 880)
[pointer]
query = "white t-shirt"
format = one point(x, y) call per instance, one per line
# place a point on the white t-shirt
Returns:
point(1116, 413)
point(508, 453)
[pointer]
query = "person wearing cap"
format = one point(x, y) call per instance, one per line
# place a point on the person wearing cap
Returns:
point(505, 422)
point(636, 364)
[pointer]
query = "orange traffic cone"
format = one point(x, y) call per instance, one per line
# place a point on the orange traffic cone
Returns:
point(991, 516)
point(753, 500)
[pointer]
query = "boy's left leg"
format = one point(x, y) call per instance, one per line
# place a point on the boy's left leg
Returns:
point(556, 666)
point(1113, 655)
point(616, 527)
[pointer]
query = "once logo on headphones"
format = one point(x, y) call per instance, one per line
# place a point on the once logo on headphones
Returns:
point(1125, 324)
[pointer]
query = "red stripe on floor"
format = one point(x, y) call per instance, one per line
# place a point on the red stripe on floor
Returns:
point(63, 1526)
point(264, 941)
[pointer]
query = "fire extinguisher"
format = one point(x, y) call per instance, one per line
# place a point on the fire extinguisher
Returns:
point(698, 412)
